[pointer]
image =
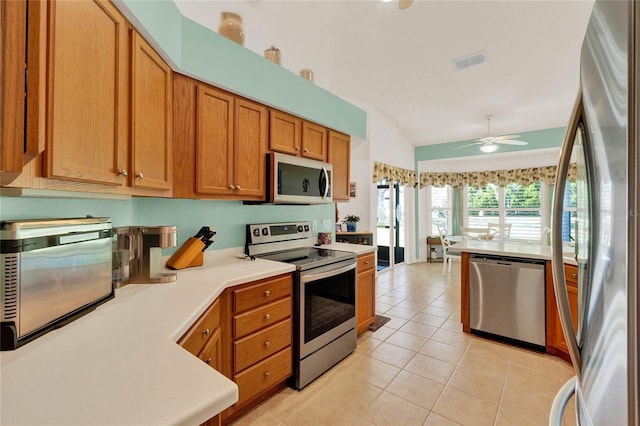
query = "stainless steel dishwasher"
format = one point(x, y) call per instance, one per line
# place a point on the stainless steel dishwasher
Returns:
point(507, 299)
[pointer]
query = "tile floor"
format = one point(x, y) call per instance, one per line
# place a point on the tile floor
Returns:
point(420, 369)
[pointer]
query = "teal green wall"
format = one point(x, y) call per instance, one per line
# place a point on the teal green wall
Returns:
point(228, 217)
point(203, 53)
point(538, 139)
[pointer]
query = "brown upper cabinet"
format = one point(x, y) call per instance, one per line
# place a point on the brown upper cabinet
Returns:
point(151, 119)
point(340, 157)
point(295, 136)
point(107, 101)
point(220, 143)
point(21, 134)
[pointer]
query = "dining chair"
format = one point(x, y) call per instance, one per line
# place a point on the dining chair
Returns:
point(447, 254)
point(499, 231)
point(476, 233)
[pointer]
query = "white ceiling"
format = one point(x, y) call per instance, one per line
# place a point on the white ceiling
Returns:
point(401, 60)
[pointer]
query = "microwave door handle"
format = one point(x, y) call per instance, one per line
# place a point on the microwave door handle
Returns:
point(557, 262)
point(326, 182)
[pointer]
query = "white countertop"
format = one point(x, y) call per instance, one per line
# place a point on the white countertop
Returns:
point(513, 248)
point(120, 365)
point(353, 248)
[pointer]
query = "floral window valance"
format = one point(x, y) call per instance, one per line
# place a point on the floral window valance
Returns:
point(523, 177)
point(391, 173)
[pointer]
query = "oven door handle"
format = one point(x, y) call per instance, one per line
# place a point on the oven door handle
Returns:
point(333, 272)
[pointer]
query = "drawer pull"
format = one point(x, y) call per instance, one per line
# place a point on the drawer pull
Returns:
point(267, 293)
point(206, 332)
point(267, 344)
point(366, 262)
point(208, 361)
point(267, 374)
point(575, 276)
point(267, 316)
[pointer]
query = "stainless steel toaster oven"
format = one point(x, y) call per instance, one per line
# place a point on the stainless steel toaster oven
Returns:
point(53, 271)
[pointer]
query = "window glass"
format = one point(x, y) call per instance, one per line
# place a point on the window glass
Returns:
point(441, 207)
point(515, 204)
point(569, 213)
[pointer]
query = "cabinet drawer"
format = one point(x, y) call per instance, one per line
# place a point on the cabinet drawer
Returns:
point(366, 262)
point(259, 318)
point(263, 375)
point(571, 275)
point(260, 345)
point(195, 338)
point(259, 294)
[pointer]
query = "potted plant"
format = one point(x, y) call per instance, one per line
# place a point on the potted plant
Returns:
point(350, 220)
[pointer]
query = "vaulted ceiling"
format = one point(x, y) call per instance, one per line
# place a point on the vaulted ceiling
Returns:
point(401, 60)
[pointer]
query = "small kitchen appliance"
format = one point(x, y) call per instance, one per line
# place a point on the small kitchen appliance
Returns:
point(147, 244)
point(53, 271)
point(324, 289)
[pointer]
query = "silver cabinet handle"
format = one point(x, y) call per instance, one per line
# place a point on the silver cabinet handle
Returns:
point(267, 317)
point(557, 263)
point(123, 172)
point(238, 188)
point(267, 293)
point(139, 175)
point(206, 332)
point(267, 374)
point(267, 344)
point(231, 187)
point(208, 361)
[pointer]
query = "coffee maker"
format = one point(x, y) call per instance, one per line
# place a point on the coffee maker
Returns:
point(138, 254)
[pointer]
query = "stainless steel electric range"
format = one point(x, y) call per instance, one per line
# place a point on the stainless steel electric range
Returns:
point(324, 302)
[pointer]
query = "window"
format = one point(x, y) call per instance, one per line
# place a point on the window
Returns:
point(515, 204)
point(441, 207)
point(569, 211)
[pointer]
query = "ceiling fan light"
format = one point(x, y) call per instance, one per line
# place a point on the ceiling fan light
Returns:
point(488, 148)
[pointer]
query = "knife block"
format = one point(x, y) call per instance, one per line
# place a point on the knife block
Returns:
point(188, 255)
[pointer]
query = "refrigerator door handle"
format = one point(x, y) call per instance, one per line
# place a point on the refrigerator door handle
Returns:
point(557, 263)
point(560, 402)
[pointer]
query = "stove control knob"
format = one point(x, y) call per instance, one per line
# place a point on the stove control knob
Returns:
point(265, 231)
point(299, 228)
point(306, 228)
point(256, 232)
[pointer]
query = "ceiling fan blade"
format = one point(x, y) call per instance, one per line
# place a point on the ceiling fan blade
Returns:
point(508, 137)
point(404, 4)
point(512, 142)
point(471, 144)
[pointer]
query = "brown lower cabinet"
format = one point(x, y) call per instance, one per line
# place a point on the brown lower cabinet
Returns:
point(555, 342)
point(366, 291)
point(246, 334)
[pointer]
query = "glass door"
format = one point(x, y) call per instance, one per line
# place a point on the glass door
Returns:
point(390, 229)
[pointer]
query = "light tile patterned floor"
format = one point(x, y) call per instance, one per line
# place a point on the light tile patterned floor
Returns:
point(420, 369)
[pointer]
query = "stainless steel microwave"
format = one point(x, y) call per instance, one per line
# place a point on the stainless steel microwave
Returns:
point(296, 180)
point(53, 271)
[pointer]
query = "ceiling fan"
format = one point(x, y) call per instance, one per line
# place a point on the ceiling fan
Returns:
point(489, 143)
point(402, 4)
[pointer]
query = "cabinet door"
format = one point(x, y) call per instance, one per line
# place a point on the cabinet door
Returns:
point(366, 300)
point(314, 141)
point(211, 352)
point(340, 158)
point(214, 142)
point(249, 149)
point(87, 92)
point(150, 117)
point(285, 133)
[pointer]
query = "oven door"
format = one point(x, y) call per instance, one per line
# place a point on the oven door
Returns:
point(327, 305)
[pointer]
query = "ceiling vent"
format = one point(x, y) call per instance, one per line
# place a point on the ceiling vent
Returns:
point(475, 58)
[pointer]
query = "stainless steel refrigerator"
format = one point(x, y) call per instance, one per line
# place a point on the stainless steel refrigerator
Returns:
point(603, 134)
